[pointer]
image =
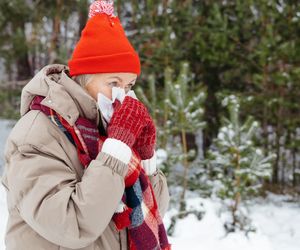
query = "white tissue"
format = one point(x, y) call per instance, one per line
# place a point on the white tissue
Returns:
point(105, 104)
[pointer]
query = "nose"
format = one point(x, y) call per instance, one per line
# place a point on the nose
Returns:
point(125, 89)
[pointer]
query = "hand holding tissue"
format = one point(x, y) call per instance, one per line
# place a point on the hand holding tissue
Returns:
point(130, 122)
point(106, 105)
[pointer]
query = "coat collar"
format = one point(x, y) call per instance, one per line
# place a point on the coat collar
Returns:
point(62, 94)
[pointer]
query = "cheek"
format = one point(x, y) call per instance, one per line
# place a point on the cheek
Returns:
point(94, 89)
point(106, 90)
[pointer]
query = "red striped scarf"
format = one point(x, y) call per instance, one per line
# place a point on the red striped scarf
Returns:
point(140, 213)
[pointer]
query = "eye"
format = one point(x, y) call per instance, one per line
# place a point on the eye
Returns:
point(130, 86)
point(113, 84)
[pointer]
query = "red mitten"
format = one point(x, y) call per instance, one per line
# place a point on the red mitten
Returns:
point(145, 143)
point(128, 120)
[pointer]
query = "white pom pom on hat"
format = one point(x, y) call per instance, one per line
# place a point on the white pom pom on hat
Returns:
point(98, 7)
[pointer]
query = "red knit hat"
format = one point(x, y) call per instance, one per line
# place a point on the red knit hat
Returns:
point(103, 46)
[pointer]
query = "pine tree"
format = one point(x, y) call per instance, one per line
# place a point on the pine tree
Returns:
point(14, 50)
point(186, 111)
point(177, 111)
point(237, 163)
point(182, 112)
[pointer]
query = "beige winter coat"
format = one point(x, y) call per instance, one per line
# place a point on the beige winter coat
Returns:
point(52, 202)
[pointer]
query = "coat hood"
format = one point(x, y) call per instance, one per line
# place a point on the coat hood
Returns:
point(62, 94)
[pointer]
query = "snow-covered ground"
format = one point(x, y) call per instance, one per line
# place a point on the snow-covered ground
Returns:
point(276, 219)
point(5, 128)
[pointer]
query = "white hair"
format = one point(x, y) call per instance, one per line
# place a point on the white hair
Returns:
point(83, 79)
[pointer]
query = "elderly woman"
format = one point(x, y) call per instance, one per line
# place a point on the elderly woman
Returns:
point(80, 168)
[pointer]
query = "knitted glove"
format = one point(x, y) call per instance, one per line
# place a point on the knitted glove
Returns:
point(126, 124)
point(145, 143)
point(128, 120)
point(145, 146)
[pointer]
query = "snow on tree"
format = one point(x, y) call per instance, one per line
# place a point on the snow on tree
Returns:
point(185, 105)
point(237, 163)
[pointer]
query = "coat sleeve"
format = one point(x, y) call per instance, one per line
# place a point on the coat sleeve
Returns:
point(161, 191)
point(54, 203)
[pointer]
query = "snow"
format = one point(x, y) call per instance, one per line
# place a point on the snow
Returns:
point(277, 222)
point(5, 128)
point(161, 155)
point(276, 218)
point(2, 70)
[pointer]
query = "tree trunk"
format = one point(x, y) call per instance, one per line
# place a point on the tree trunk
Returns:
point(182, 204)
point(211, 115)
point(119, 6)
point(294, 162)
point(23, 67)
point(237, 197)
point(83, 15)
point(54, 47)
point(21, 54)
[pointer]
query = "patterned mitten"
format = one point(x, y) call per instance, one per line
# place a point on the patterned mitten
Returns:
point(145, 143)
point(127, 121)
point(126, 124)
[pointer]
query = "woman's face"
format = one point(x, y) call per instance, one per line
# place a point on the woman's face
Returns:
point(103, 83)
